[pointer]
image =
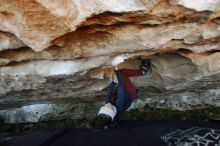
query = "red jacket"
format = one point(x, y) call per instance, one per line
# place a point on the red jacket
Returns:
point(129, 87)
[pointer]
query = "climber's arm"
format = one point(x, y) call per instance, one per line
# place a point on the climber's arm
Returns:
point(132, 72)
point(111, 88)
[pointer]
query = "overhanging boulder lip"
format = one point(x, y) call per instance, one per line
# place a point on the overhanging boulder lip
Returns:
point(69, 25)
point(66, 24)
point(199, 5)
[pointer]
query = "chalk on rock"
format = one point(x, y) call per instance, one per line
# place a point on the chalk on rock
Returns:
point(119, 59)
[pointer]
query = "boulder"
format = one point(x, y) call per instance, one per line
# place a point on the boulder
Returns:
point(57, 57)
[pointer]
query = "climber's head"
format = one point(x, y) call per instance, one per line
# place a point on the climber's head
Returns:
point(108, 110)
point(105, 116)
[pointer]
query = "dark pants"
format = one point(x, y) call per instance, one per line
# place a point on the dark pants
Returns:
point(123, 99)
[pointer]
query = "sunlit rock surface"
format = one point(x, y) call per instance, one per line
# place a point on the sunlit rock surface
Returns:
point(55, 56)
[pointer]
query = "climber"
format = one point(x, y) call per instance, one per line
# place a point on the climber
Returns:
point(115, 105)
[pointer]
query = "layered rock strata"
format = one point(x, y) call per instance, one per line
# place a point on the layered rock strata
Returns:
point(55, 56)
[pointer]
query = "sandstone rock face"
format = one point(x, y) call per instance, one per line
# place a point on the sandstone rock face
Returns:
point(54, 52)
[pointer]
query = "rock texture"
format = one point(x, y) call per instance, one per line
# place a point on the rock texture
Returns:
point(52, 52)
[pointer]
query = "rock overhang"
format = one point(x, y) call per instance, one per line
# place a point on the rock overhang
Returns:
point(63, 49)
